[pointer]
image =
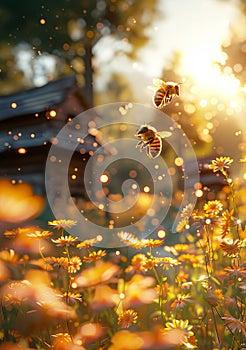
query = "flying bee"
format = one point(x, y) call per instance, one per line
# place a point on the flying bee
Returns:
point(151, 140)
point(164, 92)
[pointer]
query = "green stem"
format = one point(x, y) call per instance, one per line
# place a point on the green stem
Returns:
point(206, 260)
point(215, 327)
point(234, 339)
point(160, 295)
point(231, 186)
point(40, 249)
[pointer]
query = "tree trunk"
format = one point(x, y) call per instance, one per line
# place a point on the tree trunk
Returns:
point(88, 73)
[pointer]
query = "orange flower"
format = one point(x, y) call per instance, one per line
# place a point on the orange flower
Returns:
point(218, 293)
point(187, 211)
point(102, 272)
point(235, 325)
point(131, 240)
point(149, 264)
point(158, 338)
point(125, 340)
point(182, 325)
point(24, 237)
point(71, 298)
point(162, 289)
point(167, 261)
point(127, 237)
point(87, 243)
point(227, 221)
point(181, 247)
point(39, 234)
point(74, 264)
point(11, 233)
point(181, 301)
point(65, 241)
point(21, 231)
point(60, 341)
point(18, 203)
point(137, 263)
point(214, 297)
point(127, 318)
point(13, 346)
point(51, 306)
point(236, 271)
point(196, 216)
point(182, 225)
point(195, 260)
point(9, 255)
point(182, 276)
point(212, 208)
point(62, 224)
point(186, 285)
point(104, 297)
point(15, 293)
point(139, 291)
point(41, 263)
point(93, 256)
point(220, 164)
point(152, 243)
point(88, 333)
point(57, 261)
point(231, 248)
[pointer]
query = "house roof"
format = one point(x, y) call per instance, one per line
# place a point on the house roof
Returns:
point(36, 99)
point(19, 128)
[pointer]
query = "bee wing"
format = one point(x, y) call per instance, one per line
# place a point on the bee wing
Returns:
point(176, 87)
point(152, 87)
point(158, 82)
point(164, 134)
point(154, 148)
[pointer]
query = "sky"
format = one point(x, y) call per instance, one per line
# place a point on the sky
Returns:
point(197, 29)
point(194, 28)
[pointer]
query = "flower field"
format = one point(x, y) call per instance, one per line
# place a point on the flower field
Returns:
point(61, 293)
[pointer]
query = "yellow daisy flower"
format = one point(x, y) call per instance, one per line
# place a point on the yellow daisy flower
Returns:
point(65, 241)
point(87, 243)
point(220, 164)
point(231, 248)
point(39, 234)
point(235, 325)
point(212, 208)
point(74, 264)
point(182, 325)
point(93, 256)
point(62, 224)
point(127, 318)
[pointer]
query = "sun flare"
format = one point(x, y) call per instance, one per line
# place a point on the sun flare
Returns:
point(203, 68)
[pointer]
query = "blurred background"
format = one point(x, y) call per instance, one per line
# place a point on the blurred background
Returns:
point(59, 58)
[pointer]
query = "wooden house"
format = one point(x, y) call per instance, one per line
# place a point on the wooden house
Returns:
point(30, 121)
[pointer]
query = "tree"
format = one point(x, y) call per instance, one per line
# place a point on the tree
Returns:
point(68, 30)
point(235, 49)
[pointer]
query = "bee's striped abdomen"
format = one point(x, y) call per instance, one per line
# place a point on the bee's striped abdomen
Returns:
point(155, 147)
point(159, 98)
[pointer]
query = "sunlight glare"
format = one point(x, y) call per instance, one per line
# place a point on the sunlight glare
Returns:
point(199, 65)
